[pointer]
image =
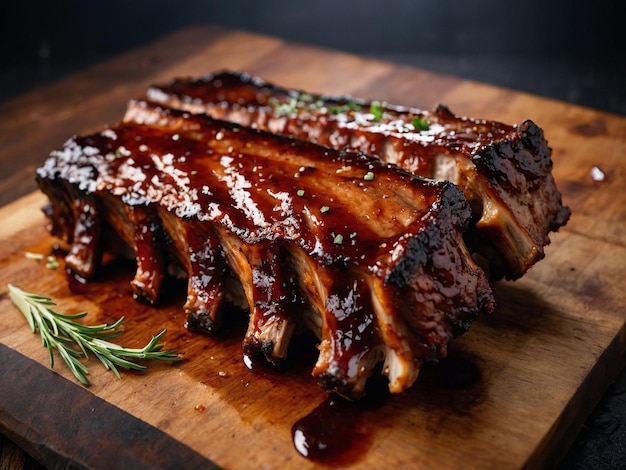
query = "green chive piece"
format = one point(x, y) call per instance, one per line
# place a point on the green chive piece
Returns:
point(420, 124)
point(354, 106)
point(338, 240)
point(376, 109)
point(52, 262)
point(324, 209)
point(369, 176)
point(300, 192)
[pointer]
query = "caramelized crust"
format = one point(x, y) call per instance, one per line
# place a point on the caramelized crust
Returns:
point(374, 253)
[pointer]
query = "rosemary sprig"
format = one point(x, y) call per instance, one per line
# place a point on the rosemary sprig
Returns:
point(74, 340)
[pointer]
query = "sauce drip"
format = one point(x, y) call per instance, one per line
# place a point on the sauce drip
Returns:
point(331, 432)
point(336, 431)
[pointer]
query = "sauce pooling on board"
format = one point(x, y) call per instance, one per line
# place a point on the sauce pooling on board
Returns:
point(334, 432)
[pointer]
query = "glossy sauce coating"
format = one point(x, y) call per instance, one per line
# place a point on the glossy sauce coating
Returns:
point(211, 174)
point(338, 241)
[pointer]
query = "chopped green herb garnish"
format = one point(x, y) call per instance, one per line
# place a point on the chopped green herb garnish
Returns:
point(344, 108)
point(376, 109)
point(284, 109)
point(420, 124)
point(338, 240)
point(305, 97)
point(324, 209)
point(193, 172)
point(354, 106)
point(300, 192)
point(52, 262)
point(305, 101)
point(369, 176)
point(317, 105)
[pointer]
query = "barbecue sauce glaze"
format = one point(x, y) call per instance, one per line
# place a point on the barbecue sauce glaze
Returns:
point(300, 226)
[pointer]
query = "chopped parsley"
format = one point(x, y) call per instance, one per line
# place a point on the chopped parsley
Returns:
point(354, 106)
point(296, 102)
point(305, 101)
point(344, 108)
point(283, 109)
point(324, 209)
point(376, 110)
point(420, 124)
point(369, 176)
point(338, 240)
point(300, 192)
point(51, 261)
point(305, 97)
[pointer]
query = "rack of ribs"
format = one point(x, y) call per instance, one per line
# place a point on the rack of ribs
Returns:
point(504, 171)
point(365, 255)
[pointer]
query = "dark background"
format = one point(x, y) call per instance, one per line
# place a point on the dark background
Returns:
point(569, 50)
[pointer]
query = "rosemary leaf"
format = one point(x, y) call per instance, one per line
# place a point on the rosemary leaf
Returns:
point(74, 341)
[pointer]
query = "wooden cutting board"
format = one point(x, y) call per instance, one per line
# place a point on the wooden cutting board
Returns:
point(531, 372)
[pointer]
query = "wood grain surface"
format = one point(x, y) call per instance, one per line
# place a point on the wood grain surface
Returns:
point(540, 361)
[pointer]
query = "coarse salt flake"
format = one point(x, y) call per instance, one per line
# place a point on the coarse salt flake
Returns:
point(597, 174)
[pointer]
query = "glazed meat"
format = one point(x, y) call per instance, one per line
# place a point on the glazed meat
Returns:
point(368, 257)
point(504, 171)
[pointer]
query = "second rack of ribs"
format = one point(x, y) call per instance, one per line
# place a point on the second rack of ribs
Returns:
point(504, 171)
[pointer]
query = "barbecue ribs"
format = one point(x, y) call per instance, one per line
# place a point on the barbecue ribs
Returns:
point(504, 171)
point(368, 257)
